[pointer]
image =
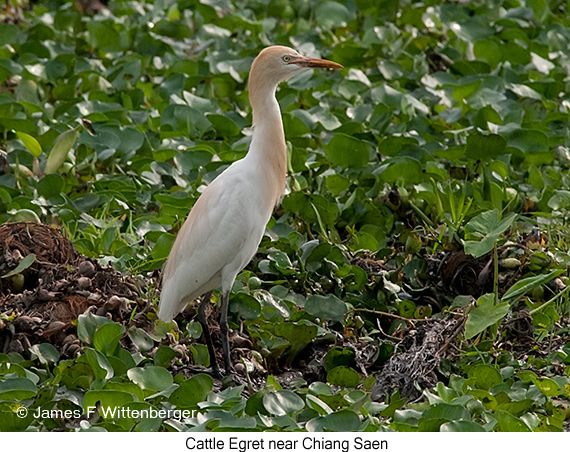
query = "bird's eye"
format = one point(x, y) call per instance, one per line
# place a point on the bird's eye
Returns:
point(286, 58)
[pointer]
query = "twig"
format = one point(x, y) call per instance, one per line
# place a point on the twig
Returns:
point(410, 322)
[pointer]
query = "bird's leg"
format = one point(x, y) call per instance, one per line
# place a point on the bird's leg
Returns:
point(206, 330)
point(224, 331)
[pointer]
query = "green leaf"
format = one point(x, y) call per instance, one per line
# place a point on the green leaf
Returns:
point(340, 421)
point(192, 391)
point(26, 262)
point(152, 378)
point(548, 387)
point(46, 353)
point(87, 324)
point(485, 147)
point(99, 363)
point(60, 149)
point(298, 334)
point(327, 307)
point(141, 339)
point(109, 402)
point(525, 285)
point(31, 143)
point(487, 228)
point(106, 338)
point(485, 376)
point(461, 426)
point(485, 314)
point(338, 356)
point(533, 146)
point(509, 423)
point(348, 152)
point(283, 403)
point(343, 376)
point(17, 388)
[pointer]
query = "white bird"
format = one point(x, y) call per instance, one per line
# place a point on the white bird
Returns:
point(225, 226)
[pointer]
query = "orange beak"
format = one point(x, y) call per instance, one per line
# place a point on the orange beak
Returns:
point(316, 62)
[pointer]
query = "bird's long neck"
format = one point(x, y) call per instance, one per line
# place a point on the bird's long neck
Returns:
point(268, 146)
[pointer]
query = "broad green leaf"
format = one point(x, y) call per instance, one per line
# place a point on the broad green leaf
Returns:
point(509, 423)
point(46, 353)
point(283, 403)
point(348, 152)
point(484, 147)
point(343, 376)
point(461, 426)
point(17, 388)
point(31, 143)
point(141, 339)
point(338, 356)
point(99, 363)
point(192, 391)
point(298, 334)
point(548, 387)
point(87, 324)
point(109, 402)
point(326, 307)
point(340, 421)
point(485, 314)
point(60, 150)
point(152, 377)
point(106, 338)
point(485, 376)
point(486, 227)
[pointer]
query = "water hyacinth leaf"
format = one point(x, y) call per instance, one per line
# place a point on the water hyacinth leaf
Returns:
point(461, 426)
point(87, 324)
point(347, 151)
point(485, 376)
point(60, 150)
point(343, 376)
point(192, 391)
point(299, 335)
point(283, 403)
point(164, 356)
point(338, 356)
point(99, 363)
point(509, 423)
point(141, 339)
point(17, 388)
point(200, 354)
point(327, 307)
point(106, 338)
point(246, 306)
point(11, 418)
point(108, 401)
point(533, 146)
point(31, 143)
point(340, 421)
point(485, 147)
point(25, 263)
point(153, 378)
point(45, 352)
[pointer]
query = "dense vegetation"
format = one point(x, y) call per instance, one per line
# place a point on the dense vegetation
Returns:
point(428, 186)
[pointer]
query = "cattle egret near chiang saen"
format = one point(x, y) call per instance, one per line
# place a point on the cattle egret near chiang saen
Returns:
point(225, 226)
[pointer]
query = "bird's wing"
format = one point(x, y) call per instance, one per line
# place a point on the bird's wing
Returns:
point(220, 236)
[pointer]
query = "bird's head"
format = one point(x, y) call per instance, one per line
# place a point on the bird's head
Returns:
point(277, 64)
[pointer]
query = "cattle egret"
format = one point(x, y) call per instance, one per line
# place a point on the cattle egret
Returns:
point(225, 226)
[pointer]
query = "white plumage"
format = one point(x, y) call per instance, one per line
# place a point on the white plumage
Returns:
point(224, 227)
